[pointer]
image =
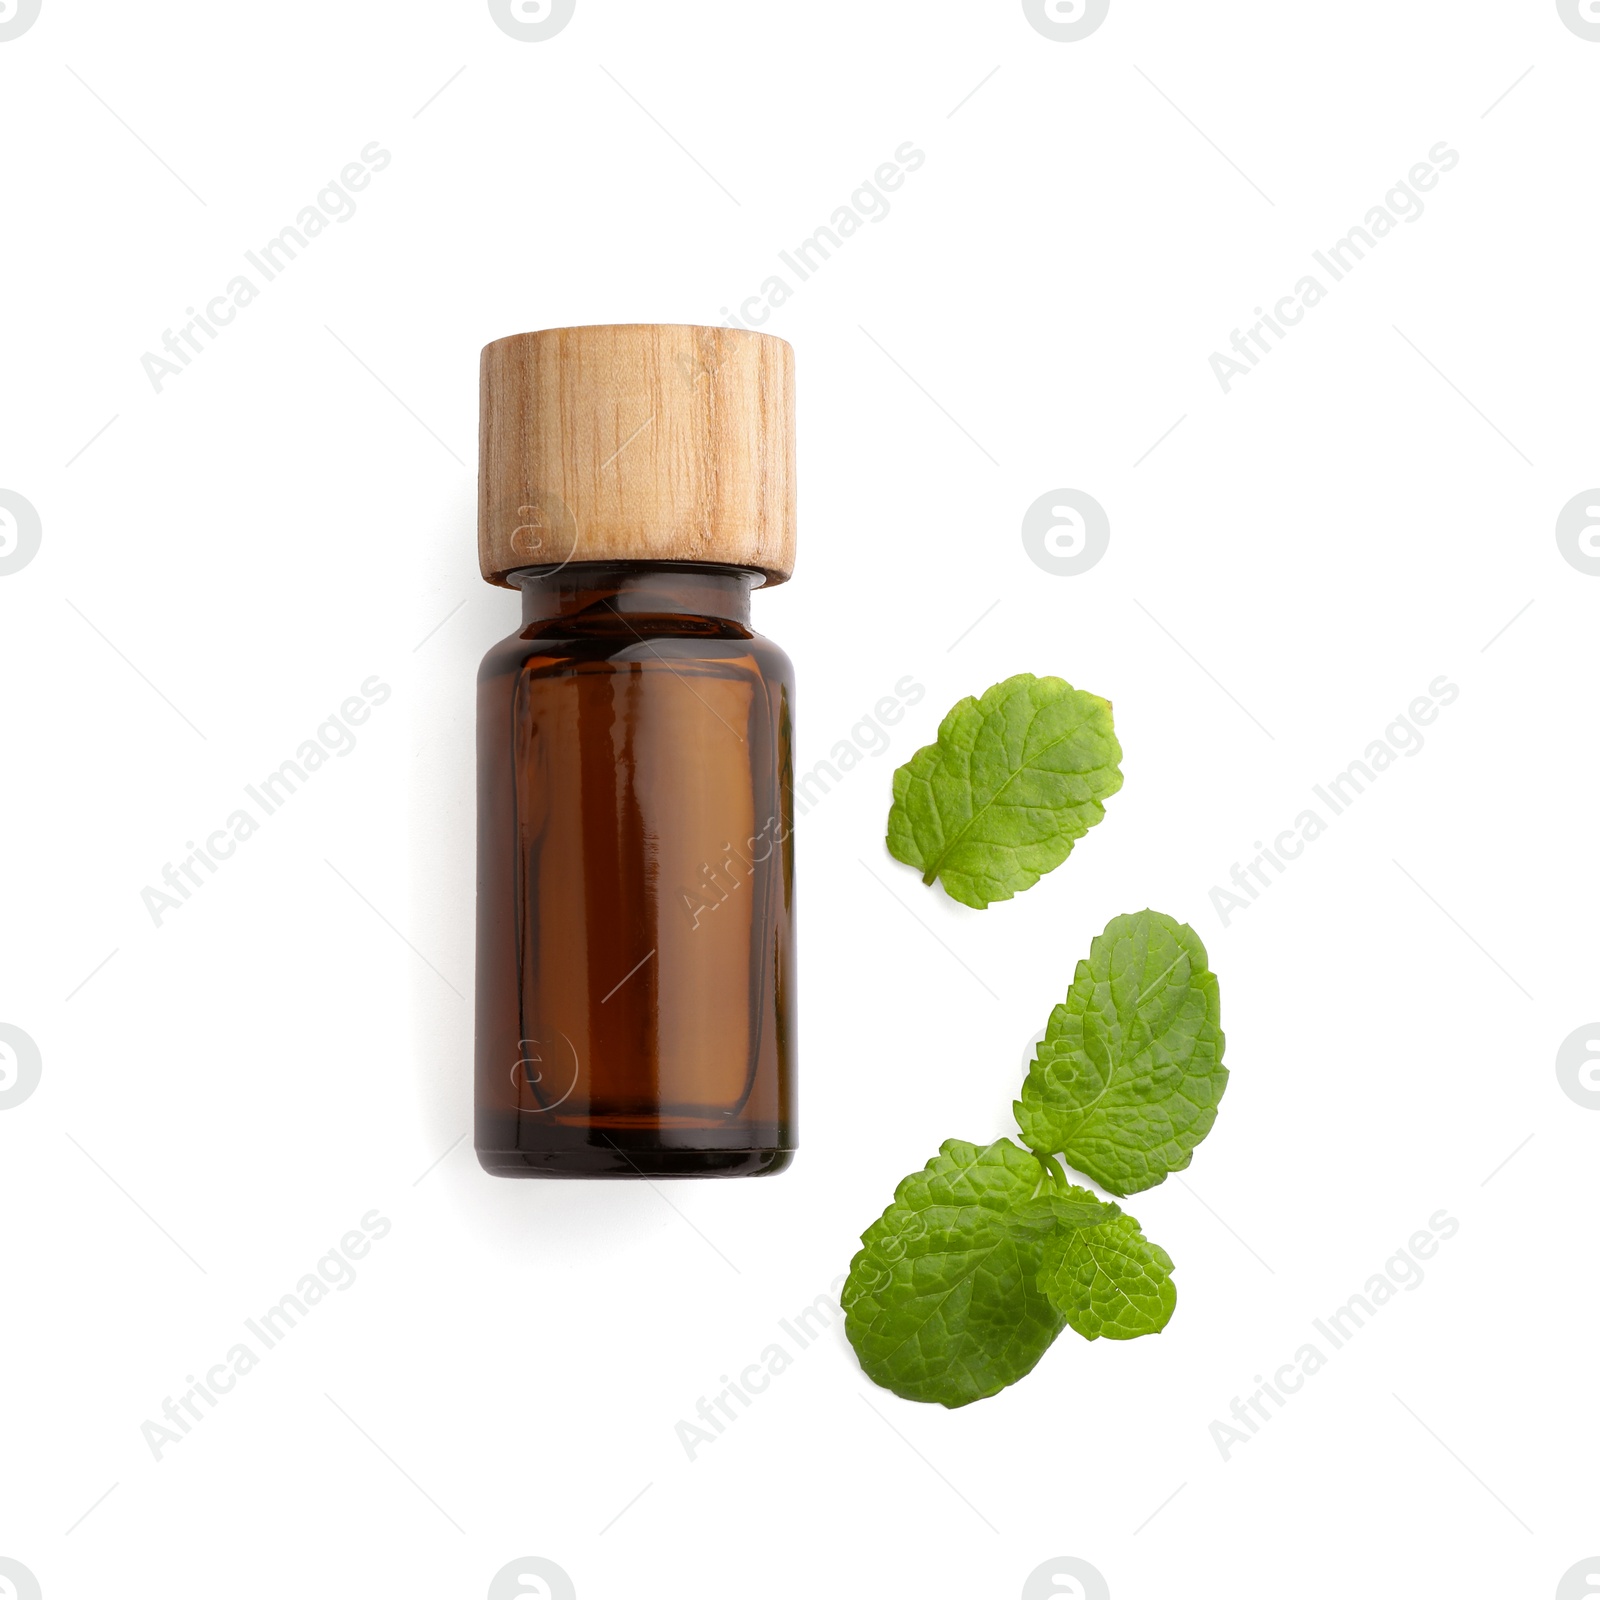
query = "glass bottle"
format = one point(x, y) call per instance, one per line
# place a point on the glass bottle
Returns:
point(635, 984)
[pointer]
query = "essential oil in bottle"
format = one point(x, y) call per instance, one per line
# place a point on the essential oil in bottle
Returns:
point(635, 976)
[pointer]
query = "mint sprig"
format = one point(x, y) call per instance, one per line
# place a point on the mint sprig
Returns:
point(1014, 779)
point(989, 1252)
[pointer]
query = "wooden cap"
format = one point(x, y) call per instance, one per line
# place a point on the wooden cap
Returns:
point(637, 442)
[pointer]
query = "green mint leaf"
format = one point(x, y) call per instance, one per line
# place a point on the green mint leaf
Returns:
point(1014, 779)
point(1127, 1078)
point(943, 1301)
point(1109, 1281)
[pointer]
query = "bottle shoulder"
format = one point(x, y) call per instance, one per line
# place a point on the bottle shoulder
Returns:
point(728, 645)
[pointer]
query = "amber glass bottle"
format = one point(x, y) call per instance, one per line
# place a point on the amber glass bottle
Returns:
point(635, 989)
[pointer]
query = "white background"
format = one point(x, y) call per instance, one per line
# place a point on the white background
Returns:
point(1294, 562)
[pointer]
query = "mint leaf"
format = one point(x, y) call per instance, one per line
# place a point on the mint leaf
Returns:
point(1127, 1078)
point(942, 1302)
point(1109, 1281)
point(1014, 779)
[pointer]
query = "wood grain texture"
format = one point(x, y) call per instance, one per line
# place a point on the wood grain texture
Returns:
point(637, 442)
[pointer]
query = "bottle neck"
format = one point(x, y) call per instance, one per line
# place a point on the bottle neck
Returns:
point(602, 594)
